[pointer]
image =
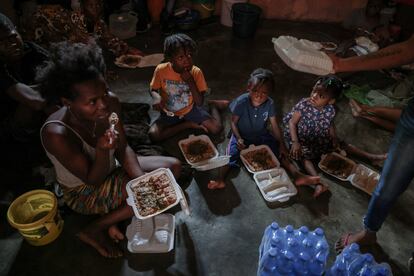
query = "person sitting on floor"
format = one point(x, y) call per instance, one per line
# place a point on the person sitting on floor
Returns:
point(310, 132)
point(53, 23)
point(178, 88)
point(251, 113)
point(83, 148)
point(22, 108)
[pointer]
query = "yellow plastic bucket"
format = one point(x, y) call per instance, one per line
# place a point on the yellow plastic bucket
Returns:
point(36, 216)
point(206, 10)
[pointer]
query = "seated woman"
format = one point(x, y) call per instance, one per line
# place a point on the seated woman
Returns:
point(53, 23)
point(83, 148)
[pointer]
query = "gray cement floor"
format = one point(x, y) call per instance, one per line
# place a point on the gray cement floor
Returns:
point(223, 232)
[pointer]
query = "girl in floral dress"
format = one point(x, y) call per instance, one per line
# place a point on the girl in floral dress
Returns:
point(309, 127)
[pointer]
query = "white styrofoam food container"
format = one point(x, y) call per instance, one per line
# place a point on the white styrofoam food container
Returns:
point(364, 171)
point(303, 55)
point(354, 176)
point(153, 235)
point(131, 199)
point(255, 148)
point(205, 165)
point(275, 185)
point(337, 155)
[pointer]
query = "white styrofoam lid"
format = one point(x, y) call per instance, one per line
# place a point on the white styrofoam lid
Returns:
point(153, 235)
point(213, 163)
point(282, 191)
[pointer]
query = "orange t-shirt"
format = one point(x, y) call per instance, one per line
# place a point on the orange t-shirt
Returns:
point(175, 93)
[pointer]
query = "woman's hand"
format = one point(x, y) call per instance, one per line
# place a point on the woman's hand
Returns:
point(296, 151)
point(108, 141)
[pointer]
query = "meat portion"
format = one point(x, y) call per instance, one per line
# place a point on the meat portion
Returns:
point(197, 151)
point(337, 165)
point(154, 194)
point(259, 160)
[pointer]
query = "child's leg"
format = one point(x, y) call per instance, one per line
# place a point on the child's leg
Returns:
point(219, 183)
point(150, 163)
point(213, 124)
point(234, 153)
point(219, 104)
point(310, 169)
point(355, 151)
point(299, 177)
point(159, 132)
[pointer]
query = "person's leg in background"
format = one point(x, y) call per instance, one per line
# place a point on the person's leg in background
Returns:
point(395, 178)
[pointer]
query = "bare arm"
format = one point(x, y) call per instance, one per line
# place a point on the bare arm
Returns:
point(391, 56)
point(125, 155)
point(61, 143)
point(26, 96)
point(293, 130)
point(332, 133)
point(189, 79)
point(277, 133)
point(234, 128)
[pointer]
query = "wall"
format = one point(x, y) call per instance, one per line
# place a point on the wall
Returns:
point(305, 10)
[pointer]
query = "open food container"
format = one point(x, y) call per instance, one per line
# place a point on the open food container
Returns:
point(259, 158)
point(154, 235)
point(201, 153)
point(273, 182)
point(346, 169)
point(155, 192)
point(364, 178)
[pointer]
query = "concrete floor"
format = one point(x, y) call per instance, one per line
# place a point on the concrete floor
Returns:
point(223, 232)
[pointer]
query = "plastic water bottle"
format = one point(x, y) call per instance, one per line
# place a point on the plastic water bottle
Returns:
point(302, 233)
point(383, 269)
point(293, 246)
point(317, 265)
point(268, 264)
point(276, 243)
point(288, 234)
point(269, 232)
point(367, 269)
point(300, 267)
point(307, 246)
point(285, 263)
point(357, 264)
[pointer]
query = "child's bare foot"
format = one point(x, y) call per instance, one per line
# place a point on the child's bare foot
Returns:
point(363, 237)
point(115, 234)
point(219, 104)
point(319, 189)
point(101, 242)
point(216, 185)
point(307, 180)
point(356, 108)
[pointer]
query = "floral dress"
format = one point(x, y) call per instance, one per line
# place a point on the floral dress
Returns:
point(53, 23)
point(312, 128)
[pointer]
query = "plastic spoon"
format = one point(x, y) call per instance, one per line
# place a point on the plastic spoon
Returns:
point(113, 120)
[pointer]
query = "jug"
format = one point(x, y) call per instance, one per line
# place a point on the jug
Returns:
point(123, 25)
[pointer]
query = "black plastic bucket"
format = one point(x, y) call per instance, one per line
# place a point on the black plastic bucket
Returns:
point(245, 18)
